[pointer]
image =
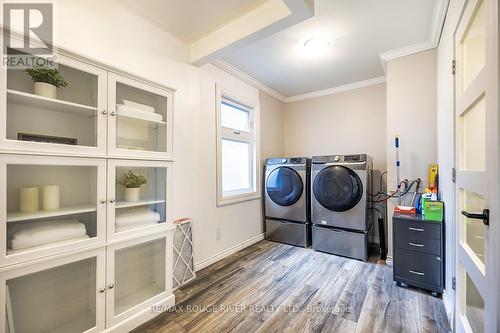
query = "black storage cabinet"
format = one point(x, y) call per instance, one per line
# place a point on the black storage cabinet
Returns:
point(418, 252)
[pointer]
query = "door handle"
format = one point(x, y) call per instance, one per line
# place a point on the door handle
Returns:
point(485, 216)
point(416, 244)
point(415, 229)
point(111, 286)
point(416, 273)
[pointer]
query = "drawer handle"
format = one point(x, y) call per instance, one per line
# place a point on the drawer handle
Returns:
point(416, 273)
point(415, 229)
point(415, 244)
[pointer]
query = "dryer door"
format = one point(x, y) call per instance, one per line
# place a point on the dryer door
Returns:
point(284, 186)
point(337, 188)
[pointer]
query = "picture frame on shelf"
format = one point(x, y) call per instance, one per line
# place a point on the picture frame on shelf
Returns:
point(47, 139)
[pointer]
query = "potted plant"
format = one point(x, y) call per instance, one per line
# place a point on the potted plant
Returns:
point(46, 80)
point(132, 184)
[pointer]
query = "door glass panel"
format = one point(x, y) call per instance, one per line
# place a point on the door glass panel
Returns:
point(474, 47)
point(474, 306)
point(235, 166)
point(337, 188)
point(473, 137)
point(140, 197)
point(234, 117)
point(141, 119)
point(139, 274)
point(284, 186)
point(60, 299)
point(69, 117)
point(474, 229)
point(49, 205)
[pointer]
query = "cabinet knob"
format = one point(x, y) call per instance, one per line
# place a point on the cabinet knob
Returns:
point(112, 200)
point(102, 290)
point(113, 113)
point(103, 201)
point(104, 112)
point(111, 286)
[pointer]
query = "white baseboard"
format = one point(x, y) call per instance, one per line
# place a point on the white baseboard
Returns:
point(221, 255)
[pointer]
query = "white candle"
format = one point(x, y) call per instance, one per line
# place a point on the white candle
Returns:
point(51, 197)
point(29, 199)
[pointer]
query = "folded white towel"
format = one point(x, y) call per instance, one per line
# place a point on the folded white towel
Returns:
point(136, 216)
point(44, 232)
point(125, 110)
point(10, 252)
point(140, 106)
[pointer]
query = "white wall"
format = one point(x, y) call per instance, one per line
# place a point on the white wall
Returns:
point(351, 122)
point(445, 139)
point(110, 33)
point(411, 113)
point(271, 127)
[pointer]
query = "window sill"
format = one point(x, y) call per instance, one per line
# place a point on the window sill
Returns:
point(234, 199)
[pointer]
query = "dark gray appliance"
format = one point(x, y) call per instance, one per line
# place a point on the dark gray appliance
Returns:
point(286, 200)
point(339, 204)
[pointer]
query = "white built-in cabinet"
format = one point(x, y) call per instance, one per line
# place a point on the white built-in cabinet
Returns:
point(98, 261)
point(94, 115)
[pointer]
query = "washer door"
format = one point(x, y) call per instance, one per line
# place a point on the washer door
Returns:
point(284, 186)
point(337, 188)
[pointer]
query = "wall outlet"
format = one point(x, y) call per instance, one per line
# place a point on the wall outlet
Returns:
point(217, 234)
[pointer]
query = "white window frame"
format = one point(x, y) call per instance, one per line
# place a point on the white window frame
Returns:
point(252, 137)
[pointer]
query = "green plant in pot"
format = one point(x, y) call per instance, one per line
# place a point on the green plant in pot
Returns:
point(132, 184)
point(46, 81)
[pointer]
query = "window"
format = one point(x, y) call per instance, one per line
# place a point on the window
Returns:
point(237, 152)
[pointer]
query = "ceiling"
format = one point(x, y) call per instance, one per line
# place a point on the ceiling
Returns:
point(360, 30)
point(262, 41)
point(191, 20)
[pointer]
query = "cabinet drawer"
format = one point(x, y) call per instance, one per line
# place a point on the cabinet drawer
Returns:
point(420, 229)
point(419, 244)
point(419, 267)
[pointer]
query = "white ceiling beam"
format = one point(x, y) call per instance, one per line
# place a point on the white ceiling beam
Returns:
point(266, 20)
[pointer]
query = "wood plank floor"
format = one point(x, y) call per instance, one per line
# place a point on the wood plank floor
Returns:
point(272, 287)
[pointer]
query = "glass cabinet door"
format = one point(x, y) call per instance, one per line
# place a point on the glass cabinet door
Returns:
point(51, 205)
point(65, 295)
point(70, 119)
point(140, 123)
point(138, 197)
point(136, 276)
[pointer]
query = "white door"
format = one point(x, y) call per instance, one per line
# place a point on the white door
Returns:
point(149, 210)
point(141, 117)
point(476, 93)
point(59, 295)
point(138, 276)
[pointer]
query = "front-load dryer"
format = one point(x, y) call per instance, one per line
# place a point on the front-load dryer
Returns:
point(286, 200)
point(339, 204)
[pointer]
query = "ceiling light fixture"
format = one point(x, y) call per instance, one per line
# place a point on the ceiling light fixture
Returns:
point(316, 45)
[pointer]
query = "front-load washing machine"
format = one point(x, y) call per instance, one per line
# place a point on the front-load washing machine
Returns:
point(286, 200)
point(339, 204)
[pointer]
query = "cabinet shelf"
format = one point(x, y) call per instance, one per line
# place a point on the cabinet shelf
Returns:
point(46, 103)
point(126, 204)
point(146, 121)
point(68, 210)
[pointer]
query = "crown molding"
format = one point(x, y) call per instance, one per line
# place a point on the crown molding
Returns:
point(337, 89)
point(438, 17)
point(248, 79)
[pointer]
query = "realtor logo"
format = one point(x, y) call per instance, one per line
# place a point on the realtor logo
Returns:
point(28, 34)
